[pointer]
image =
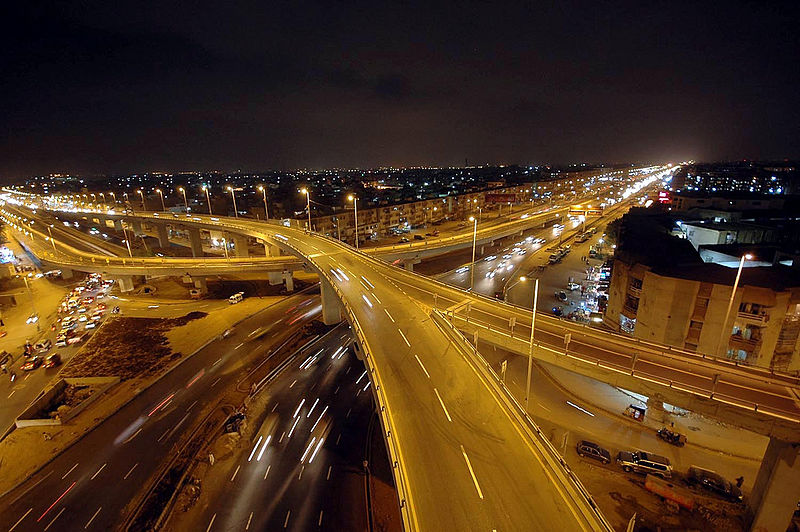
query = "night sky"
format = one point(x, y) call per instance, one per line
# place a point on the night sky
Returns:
point(119, 87)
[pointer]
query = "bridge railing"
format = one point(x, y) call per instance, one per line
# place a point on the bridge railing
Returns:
point(581, 496)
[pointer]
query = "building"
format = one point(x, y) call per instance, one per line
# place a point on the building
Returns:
point(710, 233)
point(661, 291)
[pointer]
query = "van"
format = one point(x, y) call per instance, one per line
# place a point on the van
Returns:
point(236, 298)
point(643, 462)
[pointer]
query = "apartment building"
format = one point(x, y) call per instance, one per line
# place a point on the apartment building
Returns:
point(684, 305)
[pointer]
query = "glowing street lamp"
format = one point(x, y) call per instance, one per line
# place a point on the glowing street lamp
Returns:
point(725, 329)
point(183, 191)
point(113, 197)
point(142, 196)
point(263, 191)
point(474, 242)
point(160, 193)
point(233, 195)
point(208, 198)
point(305, 191)
point(354, 199)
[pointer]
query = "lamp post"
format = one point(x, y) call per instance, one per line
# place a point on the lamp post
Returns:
point(185, 202)
point(305, 191)
point(142, 195)
point(474, 242)
point(160, 193)
point(50, 232)
point(263, 191)
point(103, 196)
point(233, 195)
point(208, 198)
point(530, 346)
point(522, 279)
point(127, 240)
point(354, 199)
point(725, 331)
point(113, 197)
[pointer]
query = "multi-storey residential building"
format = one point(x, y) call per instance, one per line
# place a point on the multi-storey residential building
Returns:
point(685, 304)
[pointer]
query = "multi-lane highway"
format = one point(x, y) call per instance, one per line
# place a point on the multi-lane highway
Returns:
point(89, 484)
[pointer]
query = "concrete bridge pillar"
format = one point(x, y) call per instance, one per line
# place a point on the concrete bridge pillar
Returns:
point(289, 280)
point(777, 488)
point(331, 306)
point(201, 284)
point(67, 273)
point(271, 250)
point(195, 242)
point(241, 246)
point(118, 224)
point(275, 278)
point(409, 264)
point(137, 227)
point(655, 409)
point(125, 284)
point(163, 235)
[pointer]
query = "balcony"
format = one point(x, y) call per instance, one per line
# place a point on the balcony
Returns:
point(636, 292)
point(754, 318)
point(737, 341)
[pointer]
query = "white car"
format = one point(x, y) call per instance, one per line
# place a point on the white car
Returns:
point(490, 258)
point(82, 318)
point(91, 325)
point(462, 269)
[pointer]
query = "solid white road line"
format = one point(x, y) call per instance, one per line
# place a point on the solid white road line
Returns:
point(92, 519)
point(422, 366)
point(471, 472)
point(443, 407)
point(212, 522)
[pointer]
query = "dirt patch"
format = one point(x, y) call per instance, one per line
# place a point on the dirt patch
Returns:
point(128, 348)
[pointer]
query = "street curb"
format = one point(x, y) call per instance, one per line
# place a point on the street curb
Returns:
point(629, 421)
point(134, 396)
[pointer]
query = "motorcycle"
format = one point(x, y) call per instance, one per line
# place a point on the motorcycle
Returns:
point(672, 437)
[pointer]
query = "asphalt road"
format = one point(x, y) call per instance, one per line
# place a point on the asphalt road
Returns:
point(88, 485)
point(314, 430)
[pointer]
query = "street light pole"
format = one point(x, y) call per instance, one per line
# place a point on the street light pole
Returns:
point(354, 199)
point(233, 195)
point(474, 241)
point(725, 330)
point(160, 193)
point(208, 198)
point(51, 238)
point(142, 195)
point(308, 205)
point(185, 202)
point(263, 190)
point(530, 346)
point(127, 240)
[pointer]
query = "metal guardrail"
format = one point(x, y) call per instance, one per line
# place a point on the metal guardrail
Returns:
point(555, 461)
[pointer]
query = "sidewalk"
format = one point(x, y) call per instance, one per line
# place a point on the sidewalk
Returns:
point(701, 431)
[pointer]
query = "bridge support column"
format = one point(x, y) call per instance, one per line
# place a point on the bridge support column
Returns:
point(289, 280)
point(201, 284)
point(409, 264)
point(67, 274)
point(271, 250)
point(118, 225)
point(655, 409)
point(163, 236)
point(275, 278)
point(125, 284)
point(195, 242)
point(240, 243)
point(776, 490)
point(137, 227)
point(331, 306)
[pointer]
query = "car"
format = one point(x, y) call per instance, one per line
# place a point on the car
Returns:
point(52, 361)
point(81, 310)
point(645, 462)
point(87, 300)
point(61, 340)
point(592, 450)
point(82, 318)
point(101, 306)
point(43, 346)
point(561, 295)
point(33, 318)
point(463, 269)
point(522, 251)
point(31, 364)
point(90, 325)
point(573, 286)
point(403, 240)
point(419, 237)
point(100, 295)
point(714, 482)
point(435, 232)
point(97, 315)
point(507, 256)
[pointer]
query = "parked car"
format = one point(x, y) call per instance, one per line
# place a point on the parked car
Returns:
point(644, 462)
point(561, 295)
point(714, 482)
point(31, 364)
point(419, 237)
point(403, 240)
point(591, 450)
point(52, 361)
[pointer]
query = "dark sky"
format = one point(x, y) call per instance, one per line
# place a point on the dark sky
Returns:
point(117, 87)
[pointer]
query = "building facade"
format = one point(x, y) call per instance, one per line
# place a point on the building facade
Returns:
point(686, 308)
